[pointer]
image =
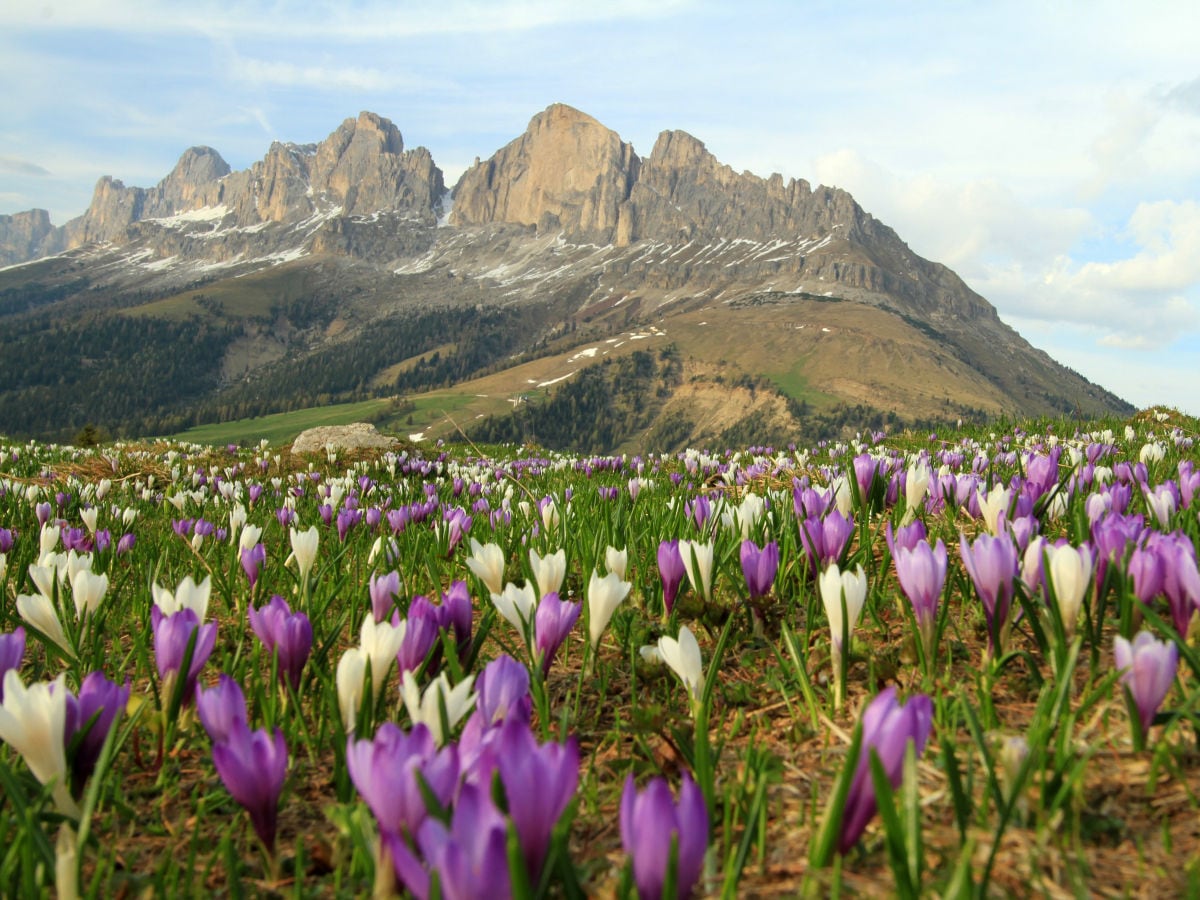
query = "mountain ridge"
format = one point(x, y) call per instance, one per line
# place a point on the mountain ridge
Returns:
point(566, 222)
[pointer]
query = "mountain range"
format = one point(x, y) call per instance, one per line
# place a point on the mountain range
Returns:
point(566, 291)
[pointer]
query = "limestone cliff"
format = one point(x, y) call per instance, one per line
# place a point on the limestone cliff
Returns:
point(567, 171)
point(26, 235)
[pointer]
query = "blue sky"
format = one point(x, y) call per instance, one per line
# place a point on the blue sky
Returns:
point(1046, 152)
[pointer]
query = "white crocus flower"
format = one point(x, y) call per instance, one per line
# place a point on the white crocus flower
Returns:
point(47, 540)
point(1069, 570)
point(103, 487)
point(381, 642)
point(88, 590)
point(1161, 503)
point(249, 534)
point(517, 605)
point(683, 656)
point(548, 571)
point(351, 673)
point(604, 595)
point(32, 722)
point(304, 549)
point(916, 486)
point(487, 562)
point(837, 587)
point(617, 561)
point(992, 504)
point(3, 565)
point(38, 611)
point(90, 517)
point(698, 564)
point(187, 595)
point(427, 707)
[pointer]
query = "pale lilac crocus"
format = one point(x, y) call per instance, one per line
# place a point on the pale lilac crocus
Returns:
point(906, 536)
point(1148, 668)
point(383, 589)
point(252, 559)
point(921, 572)
point(887, 728)
point(991, 563)
point(671, 571)
point(552, 623)
point(470, 856)
point(387, 771)
point(253, 766)
point(287, 634)
point(651, 821)
point(503, 691)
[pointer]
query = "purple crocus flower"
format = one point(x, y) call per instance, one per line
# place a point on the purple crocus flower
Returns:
point(12, 651)
point(906, 536)
point(1145, 570)
point(1181, 578)
point(171, 636)
point(387, 771)
point(285, 633)
point(252, 560)
point(1148, 670)
point(126, 543)
point(759, 567)
point(992, 564)
point(470, 857)
point(252, 766)
point(456, 614)
point(6, 540)
point(420, 634)
point(921, 572)
point(699, 510)
point(671, 570)
point(502, 691)
point(42, 510)
point(824, 540)
point(539, 782)
point(95, 709)
point(220, 706)
point(650, 820)
point(384, 589)
point(552, 623)
point(887, 727)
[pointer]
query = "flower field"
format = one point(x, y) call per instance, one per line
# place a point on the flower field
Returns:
point(955, 664)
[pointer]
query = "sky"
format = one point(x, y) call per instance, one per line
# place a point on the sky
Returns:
point(1047, 152)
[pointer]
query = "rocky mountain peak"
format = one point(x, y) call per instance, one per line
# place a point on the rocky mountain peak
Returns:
point(567, 171)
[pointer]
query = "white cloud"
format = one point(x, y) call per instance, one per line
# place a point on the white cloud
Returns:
point(370, 21)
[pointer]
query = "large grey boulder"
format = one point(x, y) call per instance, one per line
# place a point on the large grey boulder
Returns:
point(358, 436)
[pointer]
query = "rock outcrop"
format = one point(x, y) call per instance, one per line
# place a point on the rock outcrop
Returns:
point(358, 436)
